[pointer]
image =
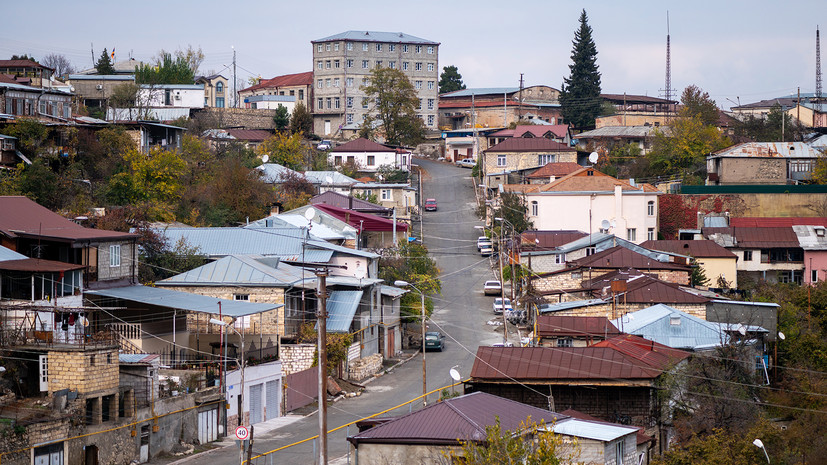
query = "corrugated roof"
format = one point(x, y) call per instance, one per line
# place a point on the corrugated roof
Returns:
point(244, 270)
point(362, 221)
point(550, 308)
point(250, 134)
point(651, 353)
point(532, 240)
point(530, 144)
point(323, 218)
point(341, 308)
point(668, 326)
point(480, 91)
point(629, 99)
point(642, 438)
point(183, 300)
point(456, 419)
point(769, 150)
point(286, 80)
point(336, 178)
point(34, 265)
point(594, 430)
point(575, 326)
point(756, 238)
point(158, 113)
point(362, 145)
point(275, 173)
point(100, 77)
point(697, 249)
point(9, 254)
point(376, 36)
point(22, 217)
point(392, 291)
point(270, 98)
point(138, 358)
point(22, 64)
point(643, 289)
point(621, 257)
point(768, 222)
point(811, 237)
point(555, 169)
point(345, 201)
point(639, 132)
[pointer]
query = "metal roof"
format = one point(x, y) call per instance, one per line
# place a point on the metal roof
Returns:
point(530, 144)
point(159, 113)
point(349, 202)
point(555, 169)
point(753, 238)
point(270, 98)
point(361, 145)
point(352, 281)
point(297, 79)
point(481, 91)
point(377, 36)
point(244, 270)
point(741, 302)
point(697, 249)
point(392, 291)
point(100, 77)
point(184, 301)
point(575, 326)
point(668, 326)
point(598, 431)
point(640, 132)
point(769, 222)
point(622, 257)
point(173, 86)
point(9, 254)
point(322, 217)
point(37, 265)
point(317, 231)
point(337, 178)
point(769, 150)
point(643, 289)
point(549, 308)
point(341, 308)
point(363, 221)
point(138, 358)
point(275, 173)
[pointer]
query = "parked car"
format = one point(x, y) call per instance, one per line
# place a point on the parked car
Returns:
point(516, 317)
point(467, 163)
point(502, 344)
point(434, 340)
point(501, 305)
point(481, 241)
point(325, 145)
point(430, 205)
point(487, 250)
point(492, 288)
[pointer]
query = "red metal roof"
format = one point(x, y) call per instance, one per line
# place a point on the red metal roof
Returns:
point(649, 352)
point(643, 289)
point(35, 265)
point(22, 217)
point(621, 257)
point(765, 222)
point(351, 203)
point(526, 144)
point(758, 238)
point(298, 79)
point(363, 145)
point(362, 221)
point(256, 135)
point(575, 326)
point(555, 169)
point(453, 420)
point(697, 249)
point(540, 130)
point(445, 104)
point(548, 239)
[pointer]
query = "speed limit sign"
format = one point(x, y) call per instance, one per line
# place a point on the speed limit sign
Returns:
point(242, 433)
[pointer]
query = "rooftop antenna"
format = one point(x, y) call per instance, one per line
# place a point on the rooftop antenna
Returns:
point(667, 92)
point(818, 71)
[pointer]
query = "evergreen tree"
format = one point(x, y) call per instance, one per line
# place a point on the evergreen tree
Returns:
point(580, 93)
point(282, 118)
point(450, 80)
point(301, 121)
point(104, 64)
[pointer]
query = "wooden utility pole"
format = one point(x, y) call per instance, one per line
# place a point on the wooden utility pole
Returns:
point(321, 318)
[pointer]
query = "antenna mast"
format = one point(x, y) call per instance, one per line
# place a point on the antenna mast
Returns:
point(818, 71)
point(667, 92)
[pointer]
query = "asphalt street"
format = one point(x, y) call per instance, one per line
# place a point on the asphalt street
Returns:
point(461, 313)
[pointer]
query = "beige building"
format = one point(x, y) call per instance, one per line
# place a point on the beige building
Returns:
point(216, 92)
point(716, 261)
point(298, 85)
point(511, 160)
point(498, 107)
point(762, 163)
point(342, 64)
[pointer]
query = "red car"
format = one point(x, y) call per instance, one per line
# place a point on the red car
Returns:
point(430, 205)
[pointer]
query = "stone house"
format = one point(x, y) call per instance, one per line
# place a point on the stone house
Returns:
point(370, 156)
point(27, 72)
point(762, 163)
point(604, 140)
point(95, 90)
point(374, 231)
point(509, 161)
point(498, 107)
point(400, 198)
point(298, 85)
point(573, 331)
point(44, 104)
point(772, 254)
point(557, 132)
point(718, 264)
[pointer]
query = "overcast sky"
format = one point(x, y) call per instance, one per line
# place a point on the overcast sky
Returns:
point(748, 49)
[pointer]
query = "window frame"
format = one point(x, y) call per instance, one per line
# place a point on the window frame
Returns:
point(114, 255)
point(502, 160)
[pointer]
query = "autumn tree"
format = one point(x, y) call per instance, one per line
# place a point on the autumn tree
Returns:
point(580, 93)
point(286, 150)
point(393, 110)
point(301, 121)
point(450, 80)
point(531, 444)
point(674, 214)
point(410, 262)
point(151, 180)
point(697, 103)
point(104, 64)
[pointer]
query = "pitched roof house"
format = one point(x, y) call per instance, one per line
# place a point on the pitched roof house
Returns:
point(509, 161)
point(573, 331)
point(551, 172)
point(717, 262)
point(771, 254)
point(369, 156)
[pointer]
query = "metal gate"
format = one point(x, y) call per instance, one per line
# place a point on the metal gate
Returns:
point(301, 388)
point(208, 426)
point(255, 404)
point(273, 401)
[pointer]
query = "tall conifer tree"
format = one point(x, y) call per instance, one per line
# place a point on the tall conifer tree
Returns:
point(580, 93)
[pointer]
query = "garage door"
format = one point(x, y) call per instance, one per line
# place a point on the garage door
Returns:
point(208, 426)
point(255, 404)
point(273, 400)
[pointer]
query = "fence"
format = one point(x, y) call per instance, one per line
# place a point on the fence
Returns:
point(300, 388)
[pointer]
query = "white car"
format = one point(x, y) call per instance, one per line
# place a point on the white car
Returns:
point(487, 250)
point(324, 145)
point(483, 240)
point(501, 305)
point(467, 163)
point(492, 288)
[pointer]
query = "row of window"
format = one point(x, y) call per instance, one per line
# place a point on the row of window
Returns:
point(349, 82)
point(31, 107)
point(378, 46)
point(335, 103)
point(219, 102)
point(429, 120)
point(350, 63)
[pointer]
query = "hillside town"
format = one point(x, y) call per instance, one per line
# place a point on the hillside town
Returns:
point(366, 261)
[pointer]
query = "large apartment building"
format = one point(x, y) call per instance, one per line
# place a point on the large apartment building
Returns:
point(342, 64)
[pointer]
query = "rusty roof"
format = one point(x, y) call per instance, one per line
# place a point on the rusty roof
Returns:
point(649, 352)
point(564, 364)
point(35, 265)
point(758, 238)
point(549, 239)
point(777, 222)
point(632, 99)
point(575, 326)
point(697, 249)
point(362, 145)
point(769, 150)
point(621, 257)
point(250, 134)
point(297, 79)
point(555, 169)
point(22, 217)
point(642, 288)
point(453, 420)
point(349, 202)
point(581, 180)
point(530, 144)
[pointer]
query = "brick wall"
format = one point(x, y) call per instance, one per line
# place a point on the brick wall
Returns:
point(83, 370)
point(297, 357)
point(247, 118)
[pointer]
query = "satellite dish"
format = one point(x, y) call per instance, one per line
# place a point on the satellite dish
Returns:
point(310, 213)
point(593, 157)
point(265, 158)
point(455, 374)
point(781, 336)
point(605, 225)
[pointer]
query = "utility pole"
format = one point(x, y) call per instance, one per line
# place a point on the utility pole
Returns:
point(520, 107)
point(235, 95)
point(321, 318)
point(502, 291)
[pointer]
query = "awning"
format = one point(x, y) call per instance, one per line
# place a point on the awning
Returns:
point(184, 301)
point(341, 308)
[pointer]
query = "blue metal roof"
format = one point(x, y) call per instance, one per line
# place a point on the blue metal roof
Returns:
point(244, 270)
point(184, 301)
point(173, 86)
point(341, 308)
point(595, 430)
point(377, 36)
point(666, 325)
point(270, 98)
point(274, 173)
point(481, 91)
point(9, 254)
point(101, 77)
point(337, 178)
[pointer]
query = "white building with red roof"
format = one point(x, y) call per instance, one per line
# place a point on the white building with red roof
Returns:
point(298, 85)
point(369, 156)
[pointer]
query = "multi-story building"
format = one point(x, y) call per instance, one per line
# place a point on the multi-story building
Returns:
point(299, 86)
point(342, 64)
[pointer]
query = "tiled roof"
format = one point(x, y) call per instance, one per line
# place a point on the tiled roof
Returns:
point(455, 419)
point(697, 249)
point(575, 326)
point(362, 145)
point(621, 257)
point(757, 238)
point(777, 222)
point(555, 169)
point(298, 79)
point(581, 181)
point(377, 36)
point(530, 144)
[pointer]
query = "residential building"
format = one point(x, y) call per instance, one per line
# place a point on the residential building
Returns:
point(605, 139)
point(810, 115)
point(351, 203)
point(813, 240)
point(342, 65)
point(637, 110)
point(762, 163)
point(592, 202)
point(9, 155)
point(369, 157)
point(401, 198)
point(557, 132)
point(249, 138)
point(510, 161)
point(171, 95)
point(151, 134)
point(556, 249)
point(335, 181)
point(551, 172)
point(718, 264)
point(573, 331)
point(27, 72)
point(466, 143)
point(498, 107)
point(270, 102)
point(772, 254)
point(47, 105)
point(215, 90)
point(94, 90)
point(298, 85)
point(375, 232)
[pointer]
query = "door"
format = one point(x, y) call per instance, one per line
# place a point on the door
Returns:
point(43, 361)
point(49, 455)
point(327, 126)
point(273, 400)
point(391, 343)
point(91, 455)
point(255, 404)
point(143, 450)
point(207, 426)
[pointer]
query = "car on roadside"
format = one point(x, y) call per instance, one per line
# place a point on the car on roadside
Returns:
point(434, 340)
point(430, 205)
point(324, 145)
point(467, 163)
point(502, 344)
point(487, 250)
point(481, 241)
point(492, 288)
point(500, 305)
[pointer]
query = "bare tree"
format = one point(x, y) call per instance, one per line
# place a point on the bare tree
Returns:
point(59, 63)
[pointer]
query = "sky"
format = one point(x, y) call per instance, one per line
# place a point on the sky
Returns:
point(734, 50)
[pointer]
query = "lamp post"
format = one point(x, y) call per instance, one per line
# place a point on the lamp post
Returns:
point(758, 443)
point(401, 283)
point(240, 366)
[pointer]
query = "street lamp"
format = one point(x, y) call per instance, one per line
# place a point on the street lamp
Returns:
point(760, 444)
point(401, 283)
point(240, 365)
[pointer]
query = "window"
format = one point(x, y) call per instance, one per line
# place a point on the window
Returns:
point(386, 194)
point(349, 63)
point(337, 160)
point(650, 234)
point(336, 103)
point(327, 64)
point(391, 47)
point(560, 259)
point(430, 50)
point(404, 48)
point(114, 255)
point(577, 275)
point(813, 276)
point(565, 342)
point(320, 103)
point(365, 64)
point(392, 64)
point(430, 120)
point(329, 102)
point(419, 107)
point(365, 47)
point(365, 101)
point(748, 255)
point(319, 83)
point(430, 104)
point(327, 47)
point(404, 66)
point(336, 47)
point(349, 102)
point(535, 207)
point(591, 251)
point(320, 64)
point(418, 85)
point(619, 452)
point(242, 297)
point(378, 63)
point(650, 208)
point(430, 85)
point(349, 46)
point(219, 102)
point(319, 48)
point(371, 160)
point(500, 160)
point(301, 94)
point(378, 47)
point(546, 158)
point(418, 66)
point(430, 66)
point(327, 82)
point(631, 234)
point(349, 118)
point(418, 49)
point(335, 82)
point(219, 88)
point(336, 64)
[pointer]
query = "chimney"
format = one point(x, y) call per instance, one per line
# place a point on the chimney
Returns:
point(275, 209)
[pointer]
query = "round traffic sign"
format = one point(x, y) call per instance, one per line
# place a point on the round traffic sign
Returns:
point(242, 433)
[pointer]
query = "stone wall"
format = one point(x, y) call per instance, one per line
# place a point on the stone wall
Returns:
point(297, 357)
point(271, 322)
point(362, 368)
point(769, 205)
point(247, 118)
point(86, 371)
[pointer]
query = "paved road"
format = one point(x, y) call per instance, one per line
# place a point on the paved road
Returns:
point(461, 312)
